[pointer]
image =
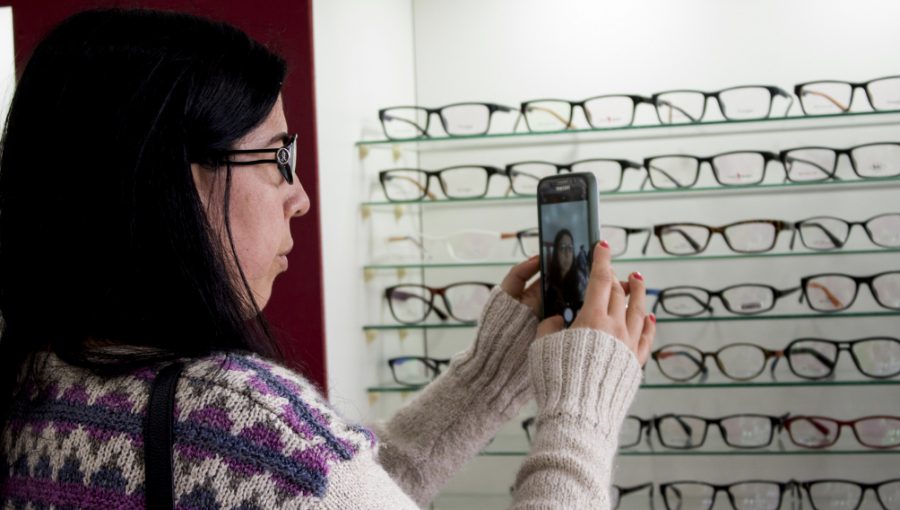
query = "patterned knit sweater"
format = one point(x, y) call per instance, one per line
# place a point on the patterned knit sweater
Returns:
point(253, 435)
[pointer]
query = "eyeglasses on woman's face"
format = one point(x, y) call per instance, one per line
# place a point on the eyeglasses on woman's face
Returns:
point(750, 236)
point(869, 161)
point(457, 182)
point(742, 299)
point(747, 102)
point(411, 303)
point(285, 158)
point(835, 292)
point(829, 97)
point(829, 233)
point(460, 119)
point(879, 432)
point(524, 176)
point(416, 371)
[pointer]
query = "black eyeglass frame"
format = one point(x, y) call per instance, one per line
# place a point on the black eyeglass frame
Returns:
point(783, 156)
point(567, 123)
point(839, 243)
point(775, 421)
point(383, 114)
point(767, 353)
point(779, 226)
point(839, 425)
point(857, 280)
point(285, 158)
point(384, 176)
point(773, 91)
point(798, 91)
point(767, 158)
point(432, 292)
point(864, 487)
point(625, 491)
point(782, 486)
point(432, 364)
point(776, 295)
point(624, 165)
point(840, 345)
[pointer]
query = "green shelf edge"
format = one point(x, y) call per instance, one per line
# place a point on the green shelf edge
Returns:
point(650, 192)
point(639, 259)
point(638, 128)
point(671, 319)
point(736, 453)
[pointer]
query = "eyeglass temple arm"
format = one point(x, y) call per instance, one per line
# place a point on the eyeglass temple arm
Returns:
point(701, 303)
point(624, 491)
point(400, 295)
point(837, 242)
point(831, 297)
point(660, 170)
point(826, 96)
point(699, 363)
point(673, 107)
point(428, 193)
point(810, 163)
point(551, 112)
point(647, 242)
point(694, 244)
point(806, 350)
point(421, 131)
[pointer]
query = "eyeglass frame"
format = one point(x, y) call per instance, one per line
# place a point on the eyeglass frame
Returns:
point(492, 108)
point(285, 158)
point(433, 365)
point(416, 238)
point(527, 422)
point(767, 158)
point(782, 486)
point(773, 91)
point(625, 491)
point(798, 91)
point(767, 353)
point(657, 230)
point(775, 421)
point(490, 170)
point(628, 233)
point(623, 163)
point(850, 224)
point(840, 425)
point(864, 487)
point(783, 155)
point(857, 280)
point(846, 345)
point(433, 291)
point(776, 293)
point(635, 99)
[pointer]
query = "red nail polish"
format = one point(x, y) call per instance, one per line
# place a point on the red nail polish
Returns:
point(534, 257)
point(637, 276)
point(653, 318)
point(604, 244)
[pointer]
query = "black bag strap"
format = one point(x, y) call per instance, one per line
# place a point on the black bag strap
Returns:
point(160, 492)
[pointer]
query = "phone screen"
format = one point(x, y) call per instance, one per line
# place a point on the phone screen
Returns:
point(565, 245)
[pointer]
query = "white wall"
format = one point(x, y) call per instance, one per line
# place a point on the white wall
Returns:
point(7, 62)
point(371, 55)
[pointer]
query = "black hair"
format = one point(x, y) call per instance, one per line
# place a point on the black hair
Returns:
point(104, 239)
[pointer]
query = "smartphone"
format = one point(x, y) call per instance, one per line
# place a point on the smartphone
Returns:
point(569, 227)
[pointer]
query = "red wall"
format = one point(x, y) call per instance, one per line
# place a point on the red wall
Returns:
point(296, 308)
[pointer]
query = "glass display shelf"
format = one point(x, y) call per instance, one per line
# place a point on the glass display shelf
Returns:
point(700, 453)
point(669, 319)
point(653, 192)
point(715, 380)
point(644, 131)
point(636, 259)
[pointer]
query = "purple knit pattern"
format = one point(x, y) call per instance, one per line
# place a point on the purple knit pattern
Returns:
point(248, 434)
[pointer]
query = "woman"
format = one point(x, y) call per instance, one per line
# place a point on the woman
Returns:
point(145, 203)
point(564, 289)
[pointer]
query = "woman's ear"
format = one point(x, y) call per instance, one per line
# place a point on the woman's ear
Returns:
point(203, 182)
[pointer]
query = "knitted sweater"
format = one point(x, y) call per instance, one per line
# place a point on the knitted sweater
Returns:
point(253, 435)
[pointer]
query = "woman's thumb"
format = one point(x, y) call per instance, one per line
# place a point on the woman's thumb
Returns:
point(550, 326)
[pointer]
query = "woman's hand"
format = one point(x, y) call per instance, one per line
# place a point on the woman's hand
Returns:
point(514, 284)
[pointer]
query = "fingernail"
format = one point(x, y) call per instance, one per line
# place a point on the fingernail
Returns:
point(534, 257)
point(653, 318)
point(637, 276)
point(604, 244)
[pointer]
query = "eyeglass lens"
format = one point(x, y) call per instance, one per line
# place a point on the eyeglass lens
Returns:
point(412, 303)
point(738, 168)
point(814, 359)
point(548, 115)
point(471, 246)
point(405, 122)
point(412, 371)
point(745, 103)
point(737, 361)
point(630, 433)
point(741, 431)
point(745, 496)
point(680, 107)
point(609, 111)
point(831, 293)
point(819, 432)
point(616, 237)
point(840, 495)
point(466, 119)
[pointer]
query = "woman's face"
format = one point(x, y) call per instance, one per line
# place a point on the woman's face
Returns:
point(261, 207)
point(566, 254)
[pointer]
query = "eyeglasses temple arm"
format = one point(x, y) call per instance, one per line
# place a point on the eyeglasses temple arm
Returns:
point(407, 295)
point(418, 128)
point(810, 163)
point(428, 193)
point(831, 297)
point(647, 242)
point(814, 353)
point(778, 355)
point(826, 96)
point(837, 242)
point(673, 107)
point(687, 237)
point(551, 112)
point(660, 170)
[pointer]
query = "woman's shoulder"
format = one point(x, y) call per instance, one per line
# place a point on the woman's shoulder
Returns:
point(259, 418)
